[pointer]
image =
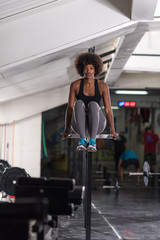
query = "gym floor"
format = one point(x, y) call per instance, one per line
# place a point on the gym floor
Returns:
point(134, 214)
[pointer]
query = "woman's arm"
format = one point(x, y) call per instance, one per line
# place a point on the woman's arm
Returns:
point(69, 110)
point(108, 109)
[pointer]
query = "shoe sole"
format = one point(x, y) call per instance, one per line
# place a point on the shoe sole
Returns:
point(91, 149)
point(81, 148)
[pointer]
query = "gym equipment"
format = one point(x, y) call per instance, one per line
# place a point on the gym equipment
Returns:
point(87, 176)
point(55, 189)
point(77, 195)
point(15, 218)
point(146, 173)
point(5, 163)
point(62, 196)
point(99, 136)
point(9, 179)
point(107, 180)
point(115, 187)
point(1, 168)
point(9, 176)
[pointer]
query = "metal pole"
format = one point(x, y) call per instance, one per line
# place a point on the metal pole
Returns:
point(84, 168)
point(84, 177)
point(87, 182)
point(69, 157)
point(88, 193)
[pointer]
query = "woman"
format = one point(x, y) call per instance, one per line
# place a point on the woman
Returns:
point(83, 112)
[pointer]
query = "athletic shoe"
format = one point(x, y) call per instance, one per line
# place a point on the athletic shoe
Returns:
point(92, 145)
point(82, 145)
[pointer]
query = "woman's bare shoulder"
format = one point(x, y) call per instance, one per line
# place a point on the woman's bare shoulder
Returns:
point(76, 83)
point(102, 85)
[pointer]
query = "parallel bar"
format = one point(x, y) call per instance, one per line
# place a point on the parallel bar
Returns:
point(99, 136)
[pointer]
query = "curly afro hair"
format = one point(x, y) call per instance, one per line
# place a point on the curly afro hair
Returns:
point(84, 59)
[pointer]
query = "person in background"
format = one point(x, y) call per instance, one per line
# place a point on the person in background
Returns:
point(119, 147)
point(84, 114)
point(151, 146)
point(127, 159)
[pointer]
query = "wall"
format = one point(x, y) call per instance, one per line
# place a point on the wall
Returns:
point(24, 117)
point(27, 144)
point(21, 144)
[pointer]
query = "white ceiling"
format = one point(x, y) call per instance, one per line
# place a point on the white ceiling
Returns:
point(146, 56)
point(10, 8)
point(40, 39)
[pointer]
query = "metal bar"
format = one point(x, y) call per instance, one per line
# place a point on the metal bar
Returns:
point(154, 174)
point(99, 136)
point(136, 174)
point(142, 174)
point(110, 187)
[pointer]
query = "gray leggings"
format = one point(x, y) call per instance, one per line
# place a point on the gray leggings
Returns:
point(87, 125)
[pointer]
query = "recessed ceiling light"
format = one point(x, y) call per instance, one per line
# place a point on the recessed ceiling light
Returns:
point(134, 92)
point(115, 107)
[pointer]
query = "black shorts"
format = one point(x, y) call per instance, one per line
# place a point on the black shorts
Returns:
point(129, 162)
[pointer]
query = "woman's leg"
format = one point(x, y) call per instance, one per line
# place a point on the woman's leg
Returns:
point(78, 121)
point(96, 119)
